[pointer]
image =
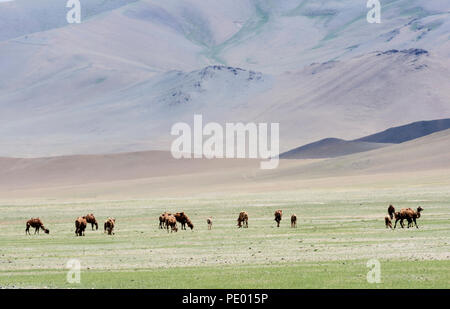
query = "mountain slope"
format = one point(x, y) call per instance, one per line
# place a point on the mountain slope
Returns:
point(333, 147)
point(100, 86)
point(408, 132)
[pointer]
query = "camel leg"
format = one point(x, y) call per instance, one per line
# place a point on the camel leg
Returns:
point(395, 225)
point(415, 223)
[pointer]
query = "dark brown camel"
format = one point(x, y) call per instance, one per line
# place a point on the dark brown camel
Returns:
point(294, 220)
point(278, 214)
point(391, 211)
point(243, 219)
point(388, 222)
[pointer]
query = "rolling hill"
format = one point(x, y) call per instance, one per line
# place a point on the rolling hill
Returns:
point(333, 147)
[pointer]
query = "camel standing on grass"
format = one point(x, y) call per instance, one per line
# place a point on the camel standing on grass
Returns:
point(294, 221)
point(209, 221)
point(391, 211)
point(162, 219)
point(243, 219)
point(80, 226)
point(388, 222)
point(90, 218)
point(409, 214)
point(37, 224)
point(171, 222)
point(108, 226)
point(278, 214)
point(184, 220)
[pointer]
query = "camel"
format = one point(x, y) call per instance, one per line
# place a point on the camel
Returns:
point(108, 226)
point(37, 224)
point(278, 214)
point(209, 221)
point(294, 220)
point(90, 218)
point(409, 214)
point(183, 219)
point(162, 219)
point(388, 222)
point(171, 222)
point(80, 226)
point(243, 218)
point(391, 211)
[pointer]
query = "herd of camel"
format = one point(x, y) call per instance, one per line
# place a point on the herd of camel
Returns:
point(169, 221)
point(407, 214)
point(80, 225)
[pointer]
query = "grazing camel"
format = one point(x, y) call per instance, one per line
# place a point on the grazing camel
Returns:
point(162, 219)
point(278, 214)
point(80, 226)
point(108, 226)
point(171, 222)
point(37, 224)
point(391, 211)
point(388, 222)
point(209, 221)
point(90, 218)
point(243, 218)
point(294, 220)
point(183, 219)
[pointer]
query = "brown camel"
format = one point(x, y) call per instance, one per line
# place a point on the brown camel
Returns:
point(184, 220)
point(162, 219)
point(80, 226)
point(294, 220)
point(108, 226)
point(90, 218)
point(278, 214)
point(409, 214)
point(243, 219)
point(388, 222)
point(37, 224)
point(171, 222)
point(391, 211)
point(209, 221)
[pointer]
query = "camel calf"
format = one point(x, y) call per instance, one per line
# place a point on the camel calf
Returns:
point(294, 221)
point(388, 222)
point(37, 224)
point(209, 221)
point(90, 218)
point(80, 226)
point(243, 219)
point(278, 214)
point(108, 226)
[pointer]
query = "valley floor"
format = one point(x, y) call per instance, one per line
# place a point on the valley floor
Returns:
point(339, 231)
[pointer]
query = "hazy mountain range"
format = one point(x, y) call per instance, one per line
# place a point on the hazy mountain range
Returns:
point(119, 80)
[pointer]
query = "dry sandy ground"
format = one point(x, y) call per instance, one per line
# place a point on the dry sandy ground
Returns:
point(156, 173)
